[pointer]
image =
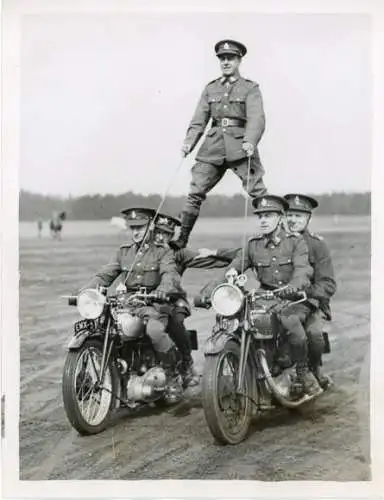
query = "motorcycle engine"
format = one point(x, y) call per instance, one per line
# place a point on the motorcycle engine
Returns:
point(260, 322)
point(129, 326)
point(147, 387)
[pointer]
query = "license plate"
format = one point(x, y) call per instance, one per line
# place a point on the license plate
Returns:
point(84, 324)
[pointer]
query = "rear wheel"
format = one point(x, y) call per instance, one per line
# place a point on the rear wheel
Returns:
point(88, 402)
point(228, 413)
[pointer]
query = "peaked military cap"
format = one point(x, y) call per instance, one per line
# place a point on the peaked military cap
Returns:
point(230, 47)
point(301, 202)
point(138, 216)
point(166, 222)
point(269, 203)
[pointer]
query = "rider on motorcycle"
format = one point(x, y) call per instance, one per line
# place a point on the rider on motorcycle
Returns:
point(323, 284)
point(148, 264)
point(280, 258)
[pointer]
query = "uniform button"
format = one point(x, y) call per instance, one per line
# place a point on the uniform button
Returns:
point(273, 258)
point(225, 106)
point(139, 277)
point(139, 263)
point(277, 271)
point(272, 246)
point(226, 94)
point(224, 129)
point(280, 282)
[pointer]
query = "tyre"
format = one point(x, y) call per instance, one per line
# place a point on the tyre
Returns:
point(228, 414)
point(88, 404)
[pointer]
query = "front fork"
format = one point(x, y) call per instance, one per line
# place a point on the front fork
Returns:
point(107, 349)
point(244, 351)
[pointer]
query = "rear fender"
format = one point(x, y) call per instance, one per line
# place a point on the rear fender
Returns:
point(78, 340)
point(216, 342)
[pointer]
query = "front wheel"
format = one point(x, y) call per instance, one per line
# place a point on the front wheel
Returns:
point(88, 402)
point(228, 413)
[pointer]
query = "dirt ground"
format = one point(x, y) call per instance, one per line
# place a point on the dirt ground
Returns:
point(329, 441)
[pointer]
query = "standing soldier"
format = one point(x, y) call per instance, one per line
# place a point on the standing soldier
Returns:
point(323, 284)
point(238, 122)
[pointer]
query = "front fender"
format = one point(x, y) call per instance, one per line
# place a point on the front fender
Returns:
point(216, 343)
point(78, 340)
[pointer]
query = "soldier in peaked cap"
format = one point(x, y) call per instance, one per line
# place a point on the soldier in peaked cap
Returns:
point(235, 106)
point(323, 284)
point(149, 264)
point(279, 258)
point(164, 231)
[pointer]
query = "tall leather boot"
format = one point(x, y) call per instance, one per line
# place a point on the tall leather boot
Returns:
point(169, 361)
point(188, 220)
point(307, 380)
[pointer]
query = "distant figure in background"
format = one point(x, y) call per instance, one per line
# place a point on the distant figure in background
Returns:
point(235, 105)
point(39, 227)
point(56, 225)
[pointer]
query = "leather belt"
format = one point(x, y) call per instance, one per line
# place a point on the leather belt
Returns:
point(228, 122)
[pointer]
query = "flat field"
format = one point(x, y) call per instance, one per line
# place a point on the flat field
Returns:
point(329, 441)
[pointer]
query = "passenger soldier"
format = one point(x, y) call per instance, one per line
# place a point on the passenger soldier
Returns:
point(323, 284)
point(238, 121)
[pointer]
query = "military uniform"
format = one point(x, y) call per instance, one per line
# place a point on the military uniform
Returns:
point(235, 106)
point(150, 265)
point(279, 259)
point(323, 284)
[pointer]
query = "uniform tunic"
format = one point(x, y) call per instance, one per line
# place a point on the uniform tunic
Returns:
point(152, 267)
point(227, 98)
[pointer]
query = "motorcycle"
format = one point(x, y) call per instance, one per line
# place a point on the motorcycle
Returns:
point(111, 362)
point(247, 367)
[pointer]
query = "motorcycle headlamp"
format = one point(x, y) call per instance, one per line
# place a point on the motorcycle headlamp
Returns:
point(90, 303)
point(227, 299)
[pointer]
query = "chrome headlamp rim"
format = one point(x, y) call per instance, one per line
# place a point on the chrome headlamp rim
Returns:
point(230, 309)
point(90, 303)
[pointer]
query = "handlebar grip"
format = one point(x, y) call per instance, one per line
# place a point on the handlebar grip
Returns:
point(202, 302)
point(72, 301)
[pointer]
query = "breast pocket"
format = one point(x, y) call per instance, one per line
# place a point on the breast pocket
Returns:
point(285, 267)
point(237, 105)
point(151, 274)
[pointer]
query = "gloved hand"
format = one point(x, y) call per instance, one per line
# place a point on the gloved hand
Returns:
point(287, 292)
point(161, 296)
point(248, 148)
point(185, 149)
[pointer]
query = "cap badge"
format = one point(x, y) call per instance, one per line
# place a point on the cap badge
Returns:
point(163, 220)
point(226, 46)
point(263, 202)
point(297, 200)
point(133, 214)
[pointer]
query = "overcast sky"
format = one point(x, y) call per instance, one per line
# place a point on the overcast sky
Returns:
point(106, 99)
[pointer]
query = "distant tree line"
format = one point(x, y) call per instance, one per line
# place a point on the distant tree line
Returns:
point(95, 207)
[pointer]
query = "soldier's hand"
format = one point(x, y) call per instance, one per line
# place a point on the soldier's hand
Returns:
point(185, 149)
point(248, 148)
point(205, 252)
point(287, 292)
point(161, 296)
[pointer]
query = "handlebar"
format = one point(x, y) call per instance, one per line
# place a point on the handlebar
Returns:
point(202, 302)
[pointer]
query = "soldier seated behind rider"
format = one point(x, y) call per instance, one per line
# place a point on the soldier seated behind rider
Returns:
point(280, 258)
point(149, 264)
point(164, 231)
point(323, 284)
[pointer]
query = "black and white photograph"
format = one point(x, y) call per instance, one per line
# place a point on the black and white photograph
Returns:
point(192, 228)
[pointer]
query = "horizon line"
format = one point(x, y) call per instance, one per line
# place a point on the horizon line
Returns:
point(69, 195)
